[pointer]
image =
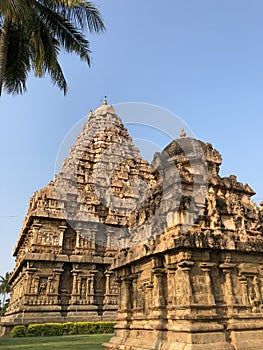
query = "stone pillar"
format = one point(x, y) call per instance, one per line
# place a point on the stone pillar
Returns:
point(77, 238)
point(108, 243)
point(82, 240)
point(92, 239)
point(49, 280)
point(92, 274)
point(171, 284)
point(135, 290)
point(206, 268)
point(119, 282)
point(75, 295)
point(36, 284)
point(74, 283)
point(91, 291)
point(148, 298)
point(228, 285)
point(257, 289)
point(107, 297)
point(78, 285)
point(35, 228)
point(107, 275)
point(185, 266)
point(126, 301)
point(57, 272)
point(158, 287)
point(122, 298)
point(50, 290)
point(244, 295)
point(30, 272)
point(62, 229)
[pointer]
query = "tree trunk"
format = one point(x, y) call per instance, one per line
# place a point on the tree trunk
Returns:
point(4, 40)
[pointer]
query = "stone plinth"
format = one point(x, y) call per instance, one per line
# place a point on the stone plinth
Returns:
point(193, 300)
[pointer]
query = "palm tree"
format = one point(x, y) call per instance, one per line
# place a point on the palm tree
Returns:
point(32, 34)
point(4, 290)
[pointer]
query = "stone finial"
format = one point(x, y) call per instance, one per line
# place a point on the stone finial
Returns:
point(90, 113)
point(182, 133)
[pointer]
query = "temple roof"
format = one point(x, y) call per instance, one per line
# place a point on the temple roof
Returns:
point(104, 180)
point(96, 180)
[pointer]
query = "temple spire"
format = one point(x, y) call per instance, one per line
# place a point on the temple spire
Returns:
point(182, 133)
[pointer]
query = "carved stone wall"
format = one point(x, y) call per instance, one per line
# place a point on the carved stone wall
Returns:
point(70, 234)
point(196, 280)
point(191, 299)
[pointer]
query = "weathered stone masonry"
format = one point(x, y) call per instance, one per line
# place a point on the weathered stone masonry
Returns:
point(70, 235)
point(197, 284)
point(185, 268)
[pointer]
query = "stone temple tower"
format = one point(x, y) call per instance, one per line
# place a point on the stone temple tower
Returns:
point(196, 283)
point(73, 228)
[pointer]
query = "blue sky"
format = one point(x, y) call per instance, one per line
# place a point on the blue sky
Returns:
point(200, 59)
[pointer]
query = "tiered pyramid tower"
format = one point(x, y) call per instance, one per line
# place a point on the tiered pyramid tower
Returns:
point(74, 227)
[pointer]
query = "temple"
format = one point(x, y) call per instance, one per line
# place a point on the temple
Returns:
point(197, 282)
point(70, 235)
point(170, 249)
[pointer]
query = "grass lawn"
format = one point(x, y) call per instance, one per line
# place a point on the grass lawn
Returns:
point(69, 342)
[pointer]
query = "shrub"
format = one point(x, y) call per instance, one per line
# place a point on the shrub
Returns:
point(35, 330)
point(68, 328)
point(106, 327)
point(85, 328)
point(18, 331)
point(51, 329)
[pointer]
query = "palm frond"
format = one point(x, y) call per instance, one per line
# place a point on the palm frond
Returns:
point(81, 13)
point(18, 61)
point(70, 38)
point(86, 16)
point(57, 77)
point(39, 30)
point(49, 62)
point(15, 9)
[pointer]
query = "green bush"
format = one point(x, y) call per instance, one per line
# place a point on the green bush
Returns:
point(18, 331)
point(106, 327)
point(92, 327)
point(85, 328)
point(57, 329)
point(35, 330)
point(51, 329)
point(68, 328)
